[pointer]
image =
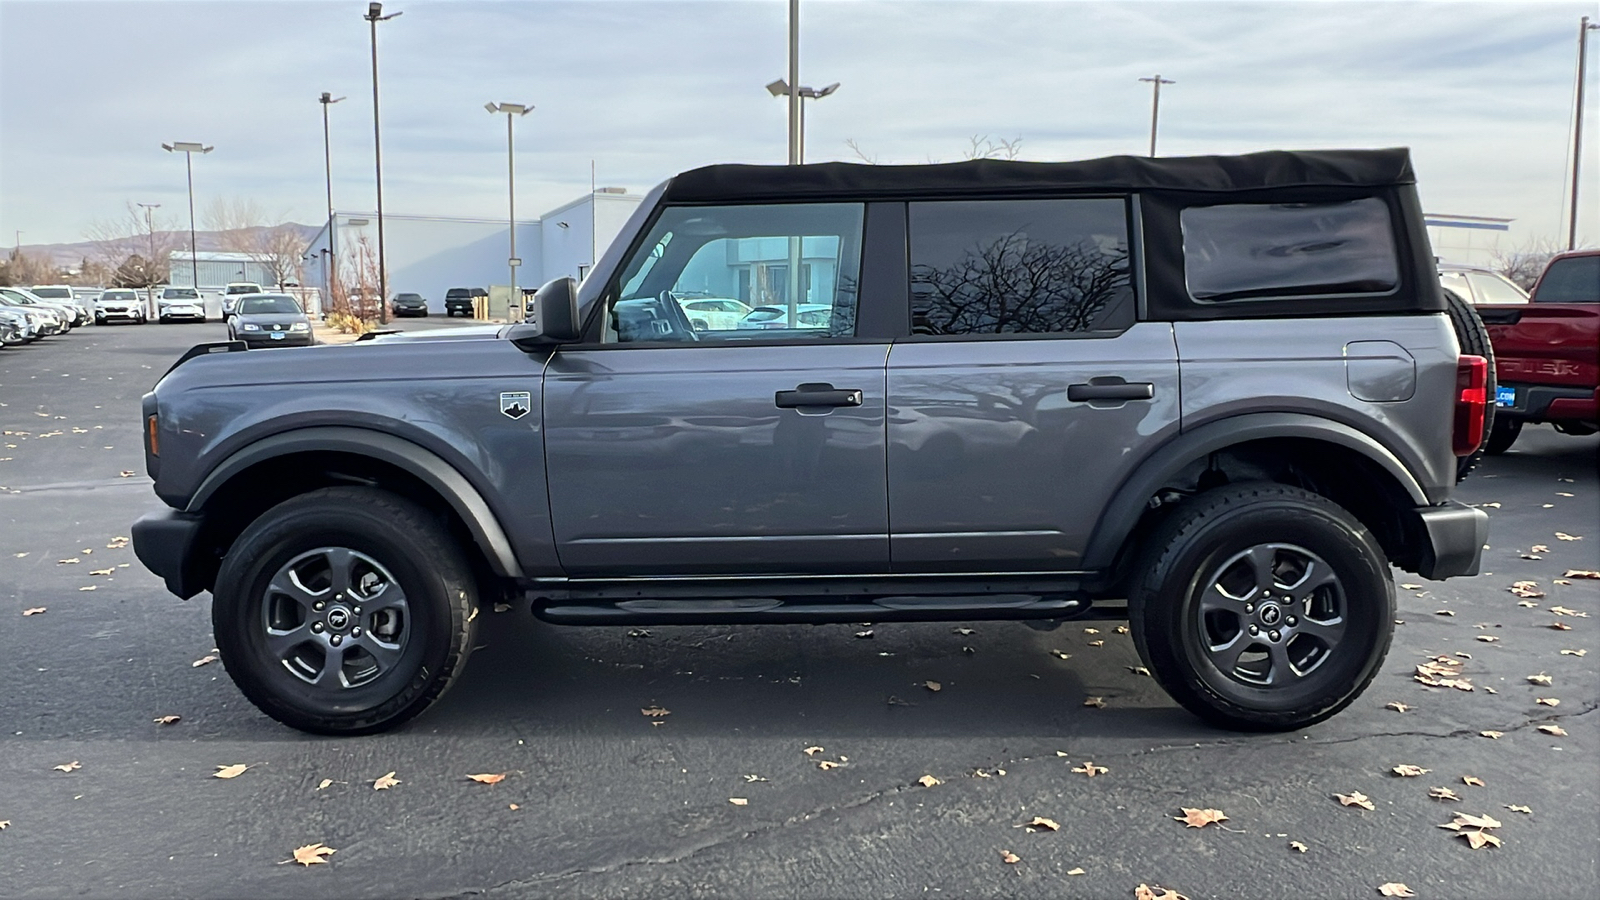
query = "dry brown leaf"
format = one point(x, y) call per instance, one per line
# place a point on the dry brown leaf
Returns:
point(1487, 638)
point(1200, 818)
point(1467, 820)
point(166, 720)
point(1492, 735)
point(739, 801)
point(654, 712)
point(1090, 770)
point(312, 854)
point(1040, 823)
point(934, 686)
point(1563, 536)
point(1526, 589)
point(864, 634)
point(1059, 655)
point(1009, 858)
point(1547, 701)
point(513, 807)
point(812, 751)
point(208, 658)
point(1540, 678)
point(6, 823)
point(1397, 888)
point(1444, 612)
point(1091, 631)
point(1581, 573)
point(928, 781)
point(385, 782)
point(1479, 839)
point(1560, 626)
point(1539, 548)
point(1518, 808)
point(73, 560)
point(1527, 604)
point(1075, 870)
point(88, 587)
point(324, 784)
point(103, 571)
point(68, 767)
point(962, 631)
point(22, 554)
point(1397, 706)
point(1409, 771)
point(1156, 892)
point(1096, 702)
point(1556, 730)
point(1121, 629)
point(1563, 611)
point(233, 771)
point(126, 473)
point(487, 778)
point(1138, 670)
point(1442, 793)
point(33, 610)
point(825, 765)
point(1411, 587)
point(1097, 643)
point(1355, 798)
point(1472, 780)
point(1298, 847)
point(1574, 653)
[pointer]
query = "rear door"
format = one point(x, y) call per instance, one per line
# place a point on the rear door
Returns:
point(1027, 390)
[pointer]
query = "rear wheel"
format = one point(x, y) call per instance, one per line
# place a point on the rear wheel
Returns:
point(1502, 435)
point(1263, 607)
point(344, 611)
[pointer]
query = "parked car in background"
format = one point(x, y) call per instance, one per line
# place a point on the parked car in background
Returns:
point(1476, 284)
point(1547, 352)
point(713, 313)
point(44, 320)
point(409, 305)
point(232, 293)
point(270, 320)
point(86, 295)
point(65, 315)
point(180, 304)
point(10, 333)
point(120, 304)
point(807, 315)
point(60, 295)
point(17, 328)
point(461, 301)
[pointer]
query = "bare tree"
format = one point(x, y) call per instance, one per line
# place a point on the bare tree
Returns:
point(1525, 263)
point(859, 153)
point(1014, 285)
point(242, 228)
point(979, 146)
point(22, 269)
point(150, 237)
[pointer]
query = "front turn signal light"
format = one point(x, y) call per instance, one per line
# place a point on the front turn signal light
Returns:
point(152, 435)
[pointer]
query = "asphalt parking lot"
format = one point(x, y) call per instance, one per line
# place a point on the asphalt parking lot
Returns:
point(599, 800)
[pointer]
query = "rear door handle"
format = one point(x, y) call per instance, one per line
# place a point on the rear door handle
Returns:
point(807, 395)
point(1105, 389)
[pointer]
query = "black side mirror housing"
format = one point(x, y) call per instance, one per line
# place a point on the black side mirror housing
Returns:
point(553, 315)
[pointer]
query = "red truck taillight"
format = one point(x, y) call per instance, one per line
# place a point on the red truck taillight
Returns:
point(1472, 402)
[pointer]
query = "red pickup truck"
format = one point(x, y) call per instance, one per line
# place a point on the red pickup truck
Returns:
point(1547, 352)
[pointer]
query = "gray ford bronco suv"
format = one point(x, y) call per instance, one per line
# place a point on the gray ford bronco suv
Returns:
point(1216, 396)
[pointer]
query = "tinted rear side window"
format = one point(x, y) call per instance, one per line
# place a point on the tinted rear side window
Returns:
point(1020, 267)
point(1244, 251)
point(1575, 279)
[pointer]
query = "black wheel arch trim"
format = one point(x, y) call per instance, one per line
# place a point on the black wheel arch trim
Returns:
point(1132, 496)
point(420, 462)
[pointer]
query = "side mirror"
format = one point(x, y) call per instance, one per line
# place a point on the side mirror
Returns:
point(553, 315)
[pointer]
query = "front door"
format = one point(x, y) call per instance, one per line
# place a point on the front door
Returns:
point(746, 442)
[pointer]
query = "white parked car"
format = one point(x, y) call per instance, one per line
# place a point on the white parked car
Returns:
point(713, 313)
point(60, 296)
point(180, 303)
point(807, 315)
point(1479, 285)
point(122, 304)
point(232, 293)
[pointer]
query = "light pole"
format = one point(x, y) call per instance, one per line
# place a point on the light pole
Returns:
point(1156, 81)
point(374, 16)
point(150, 241)
point(780, 88)
point(189, 149)
point(1577, 130)
point(512, 111)
point(328, 100)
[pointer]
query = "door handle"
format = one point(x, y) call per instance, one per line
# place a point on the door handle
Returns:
point(1106, 389)
point(807, 395)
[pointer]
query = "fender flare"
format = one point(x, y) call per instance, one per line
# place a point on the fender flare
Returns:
point(425, 465)
point(1119, 518)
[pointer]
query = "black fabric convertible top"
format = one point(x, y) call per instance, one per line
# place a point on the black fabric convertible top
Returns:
point(1223, 174)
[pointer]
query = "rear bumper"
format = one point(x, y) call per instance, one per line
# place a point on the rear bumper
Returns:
point(1544, 402)
point(165, 542)
point(1455, 534)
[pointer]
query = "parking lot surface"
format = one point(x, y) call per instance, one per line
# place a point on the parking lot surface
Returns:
point(725, 794)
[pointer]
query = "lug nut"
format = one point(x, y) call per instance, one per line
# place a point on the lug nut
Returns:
point(1254, 630)
point(356, 631)
point(1249, 607)
point(1293, 621)
point(357, 610)
point(1273, 635)
point(318, 606)
point(338, 596)
point(316, 627)
point(338, 639)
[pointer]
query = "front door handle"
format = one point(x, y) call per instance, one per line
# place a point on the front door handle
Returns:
point(1107, 389)
point(807, 395)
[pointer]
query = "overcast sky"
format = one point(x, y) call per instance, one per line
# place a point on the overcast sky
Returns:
point(1482, 93)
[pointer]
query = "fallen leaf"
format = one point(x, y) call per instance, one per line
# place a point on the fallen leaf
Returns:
point(1563, 536)
point(934, 686)
point(928, 781)
point(864, 634)
point(1467, 820)
point(1408, 771)
point(1521, 809)
point(1096, 702)
point(739, 801)
point(1526, 589)
point(1581, 573)
point(1444, 612)
point(6, 823)
point(1075, 870)
point(312, 854)
point(68, 767)
point(1411, 587)
point(1563, 611)
point(513, 807)
point(813, 751)
point(502, 607)
point(126, 473)
point(1397, 888)
point(1009, 858)
point(487, 778)
point(89, 587)
point(1100, 644)
point(962, 631)
point(33, 610)
point(1494, 505)
point(752, 779)
point(1547, 701)
point(385, 782)
point(1355, 798)
point(166, 720)
point(233, 771)
point(1298, 847)
point(208, 658)
point(22, 554)
point(1556, 730)
point(103, 571)
point(324, 784)
point(1121, 629)
point(1574, 653)
point(69, 561)
point(1157, 892)
point(1040, 823)
point(654, 712)
point(1442, 793)
point(1477, 840)
point(1487, 638)
point(1540, 678)
point(1560, 626)
point(1138, 670)
point(1472, 780)
point(825, 765)
point(1527, 604)
point(1200, 818)
point(1492, 735)
point(1090, 770)
point(1396, 705)
point(1059, 655)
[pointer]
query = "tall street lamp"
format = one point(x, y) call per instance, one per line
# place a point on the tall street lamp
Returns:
point(1577, 129)
point(374, 16)
point(328, 100)
point(1156, 81)
point(189, 149)
point(150, 241)
point(780, 88)
point(512, 111)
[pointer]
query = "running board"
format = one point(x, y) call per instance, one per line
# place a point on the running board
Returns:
point(806, 610)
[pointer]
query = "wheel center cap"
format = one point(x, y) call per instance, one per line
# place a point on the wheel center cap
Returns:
point(338, 618)
point(1269, 613)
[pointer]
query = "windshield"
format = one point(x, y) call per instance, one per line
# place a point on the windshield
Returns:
point(255, 306)
point(244, 288)
point(1493, 288)
point(118, 295)
point(408, 297)
point(53, 293)
point(1575, 279)
point(178, 294)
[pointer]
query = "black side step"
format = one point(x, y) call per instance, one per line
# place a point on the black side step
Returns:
point(808, 610)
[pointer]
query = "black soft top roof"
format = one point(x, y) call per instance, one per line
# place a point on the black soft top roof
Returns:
point(1225, 174)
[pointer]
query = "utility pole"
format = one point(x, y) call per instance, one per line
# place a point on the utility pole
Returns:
point(1156, 81)
point(512, 111)
point(328, 100)
point(189, 149)
point(150, 242)
point(794, 83)
point(1577, 129)
point(375, 15)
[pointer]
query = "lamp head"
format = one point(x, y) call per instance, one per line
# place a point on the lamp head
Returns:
point(828, 90)
point(779, 88)
point(374, 11)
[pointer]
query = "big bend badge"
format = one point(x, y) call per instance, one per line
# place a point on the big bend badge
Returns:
point(515, 404)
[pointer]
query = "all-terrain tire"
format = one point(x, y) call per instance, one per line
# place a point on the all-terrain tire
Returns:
point(1474, 340)
point(1179, 619)
point(262, 604)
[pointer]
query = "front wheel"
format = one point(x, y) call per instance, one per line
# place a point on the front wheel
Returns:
point(1263, 607)
point(344, 611)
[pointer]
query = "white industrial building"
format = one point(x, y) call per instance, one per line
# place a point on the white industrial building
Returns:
point(428, 255)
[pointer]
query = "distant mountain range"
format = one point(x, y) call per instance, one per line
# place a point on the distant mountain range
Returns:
point(71, 255)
